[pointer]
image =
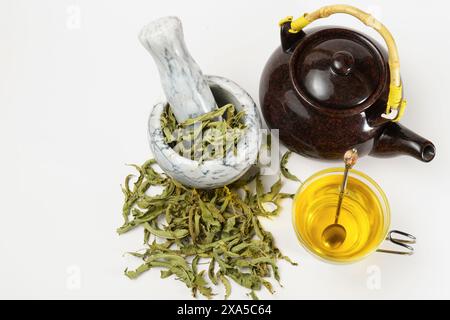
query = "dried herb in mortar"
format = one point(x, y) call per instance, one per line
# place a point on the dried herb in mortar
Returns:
point(209, 136)
point(190, 227)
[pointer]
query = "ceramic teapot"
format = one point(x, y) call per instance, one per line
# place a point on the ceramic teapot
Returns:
point(330, 89)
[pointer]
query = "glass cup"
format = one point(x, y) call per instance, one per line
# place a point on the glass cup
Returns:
point(365, 214)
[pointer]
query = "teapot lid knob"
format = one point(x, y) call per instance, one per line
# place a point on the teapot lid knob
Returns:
point(342, 63)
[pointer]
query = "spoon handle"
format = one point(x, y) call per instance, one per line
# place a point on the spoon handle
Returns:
point(341, 194)
point(350, 158)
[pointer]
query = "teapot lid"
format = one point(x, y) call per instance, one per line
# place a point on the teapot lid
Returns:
point(338, 69)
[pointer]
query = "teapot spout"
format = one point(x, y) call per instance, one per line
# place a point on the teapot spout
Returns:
point(397, 140)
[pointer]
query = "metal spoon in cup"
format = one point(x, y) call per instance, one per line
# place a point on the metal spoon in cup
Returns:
point(334, 235)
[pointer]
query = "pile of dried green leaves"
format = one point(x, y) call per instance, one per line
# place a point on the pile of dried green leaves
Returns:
point(192, 227)
point(211, 135)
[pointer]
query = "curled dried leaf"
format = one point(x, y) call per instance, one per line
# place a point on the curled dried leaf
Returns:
point(284, 170)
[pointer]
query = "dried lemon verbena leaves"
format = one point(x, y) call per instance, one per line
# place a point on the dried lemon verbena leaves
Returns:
point(209, 136)
point(284, 170)
point(185, 228)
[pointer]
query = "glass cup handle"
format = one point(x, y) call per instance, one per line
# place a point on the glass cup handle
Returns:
point(402, 239)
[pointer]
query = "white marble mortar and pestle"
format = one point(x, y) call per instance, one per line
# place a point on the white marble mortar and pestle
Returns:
point(189, 94)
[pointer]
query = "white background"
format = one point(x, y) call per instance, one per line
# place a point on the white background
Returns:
point(74, 101)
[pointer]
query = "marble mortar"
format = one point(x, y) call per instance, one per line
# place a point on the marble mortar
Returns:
point(217, 172)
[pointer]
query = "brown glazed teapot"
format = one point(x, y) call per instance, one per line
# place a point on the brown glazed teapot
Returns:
point(328, 90)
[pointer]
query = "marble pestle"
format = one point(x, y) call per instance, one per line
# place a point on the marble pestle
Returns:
point(184, 85)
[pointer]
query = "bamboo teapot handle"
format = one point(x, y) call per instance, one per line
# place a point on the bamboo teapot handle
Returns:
point(395, 107)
